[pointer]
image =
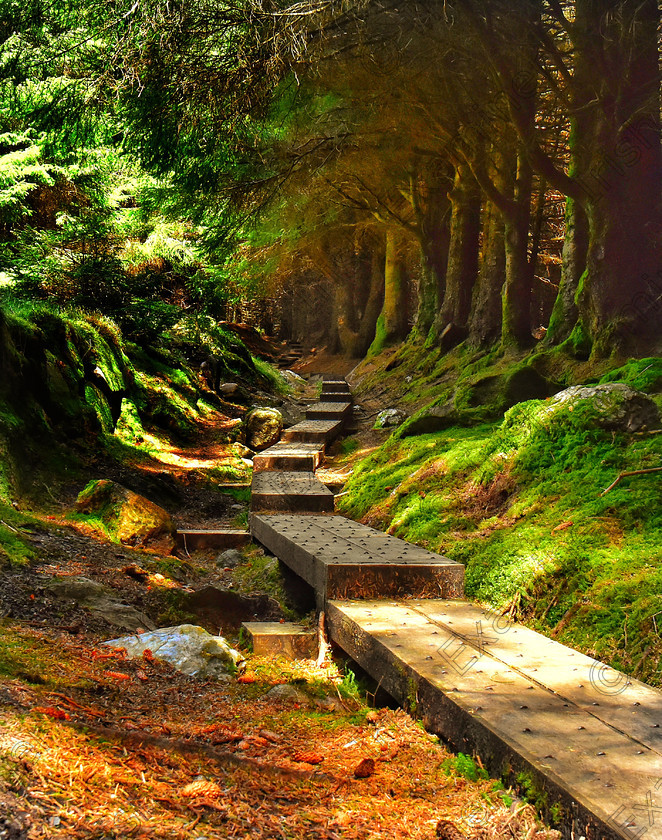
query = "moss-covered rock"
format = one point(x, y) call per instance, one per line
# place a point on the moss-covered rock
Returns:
point(263, 427)
point(127, 517)
point(614, 406)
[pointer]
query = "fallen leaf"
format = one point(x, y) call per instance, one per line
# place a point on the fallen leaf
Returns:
point(115, 675)
point(247, 679)
point(563, 526)
point(308, 757)
point(52, 712)
point(201, 788)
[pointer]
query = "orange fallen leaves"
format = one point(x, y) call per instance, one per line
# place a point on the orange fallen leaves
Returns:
point(116, 675)
point(308, 757)
point(201, 788)
point(52, 712)
point(563, 526)
point(247, 679)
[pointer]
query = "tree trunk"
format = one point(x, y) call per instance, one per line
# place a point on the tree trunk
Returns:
point(434, 224)
point(462, 268)
point(485, 321)
point(395, 288)
point(618, 300)
point(516, 327)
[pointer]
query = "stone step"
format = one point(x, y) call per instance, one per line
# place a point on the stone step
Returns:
point(342, 559)
point(313, 431)
point(297, 492)
point(194, 540)
point(588, 737)
point(273, 638)
point(329, 411)
point(290, 456)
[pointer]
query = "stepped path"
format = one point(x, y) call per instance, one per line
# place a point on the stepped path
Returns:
point(582, 737)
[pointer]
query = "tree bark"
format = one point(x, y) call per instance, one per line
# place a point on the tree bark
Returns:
point(485, 320)
point(618, 300)
point(394, 311)
point(462, 269)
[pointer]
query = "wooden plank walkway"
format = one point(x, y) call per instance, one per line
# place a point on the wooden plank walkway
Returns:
point(340, 558)
point(290, 491)
point(587, 738)
point(586, 735)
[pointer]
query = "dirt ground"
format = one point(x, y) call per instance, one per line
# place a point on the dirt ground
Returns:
point(95, 745)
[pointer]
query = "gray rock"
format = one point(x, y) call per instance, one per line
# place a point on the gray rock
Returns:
point(228, 388)
point(613, 406)
point(99, 599)
point(230, 559)
point(188, 648)
point(390, 418)
point(263, 428)
point(294, 380)
point(289, 694)
point(435, 418)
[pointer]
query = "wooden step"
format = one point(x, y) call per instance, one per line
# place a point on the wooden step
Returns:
point(588, 737)
point(341, 559)
point(196, 540)
point(313, 431)
point(335, 386)
point(338, 412)
point(274, 638)
point(295, 492)
point(290, 456)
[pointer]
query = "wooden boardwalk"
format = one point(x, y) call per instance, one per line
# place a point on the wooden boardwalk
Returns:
point(582, 736)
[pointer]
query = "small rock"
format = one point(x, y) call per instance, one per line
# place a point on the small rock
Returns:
point(97, 598)
point(230, 559)
point(390, 418)
point(294, 379)
point(365, 768)
point(263, 428)
point(288, 694)
point(237, 507)
point(188, 648)
point(228, 388)
point(243, 451)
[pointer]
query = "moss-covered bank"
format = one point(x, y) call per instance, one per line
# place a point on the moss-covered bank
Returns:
point(518, 501)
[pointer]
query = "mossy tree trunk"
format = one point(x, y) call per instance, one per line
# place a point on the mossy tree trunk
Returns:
point(462, 268)
point(433, 215)
point(395, 288)
point(618, 296)
point(485, 320)
point(516, 326)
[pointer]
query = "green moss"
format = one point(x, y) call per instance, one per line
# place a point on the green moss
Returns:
point(379, 341)
point(493, 497)
point(642, 374)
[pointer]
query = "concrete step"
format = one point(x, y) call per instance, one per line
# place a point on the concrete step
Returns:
point(296, 492)
point(339, 412)
point(194, 540)
point(313, 431)
point(589, 737)
point(290, 456)
point(274, 638)
point(341, 559)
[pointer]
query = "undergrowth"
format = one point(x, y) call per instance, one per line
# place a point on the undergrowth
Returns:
point(519, 503)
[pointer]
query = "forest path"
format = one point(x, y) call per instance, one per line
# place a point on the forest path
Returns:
point(583, 739)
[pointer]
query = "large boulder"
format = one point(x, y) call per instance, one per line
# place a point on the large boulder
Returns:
point(188, 648)
point(614, 406)
point(127, 517)
point(263, 428)
point(100, 600)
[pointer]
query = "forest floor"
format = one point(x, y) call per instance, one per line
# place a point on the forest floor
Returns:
point(94, 745)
